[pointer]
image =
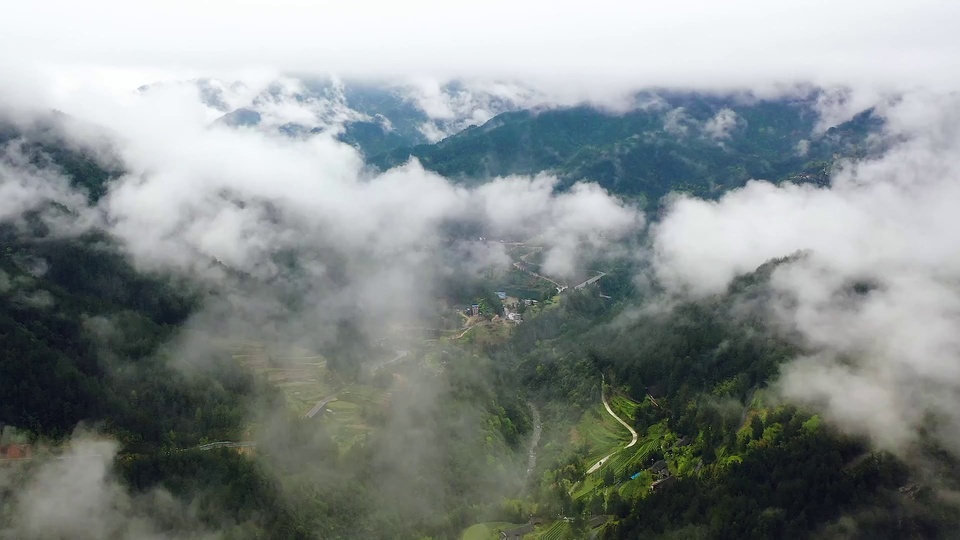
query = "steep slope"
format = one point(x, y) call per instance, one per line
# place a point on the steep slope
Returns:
point(87, 338)
point(683, 142)
point(374, 117)
point(43, 144)
point(718, 455)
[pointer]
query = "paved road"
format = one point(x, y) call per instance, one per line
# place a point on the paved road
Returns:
point(400, 356)
point(560, 288)
point(633, 434)
point(320, 405)
point(523, 268)
point(591, 281)
point(226, 444)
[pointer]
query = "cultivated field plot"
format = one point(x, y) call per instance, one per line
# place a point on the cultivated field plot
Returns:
point(602, 433)
point(555, 531)
point(304, 379)
point(487, 531)
point(605, 436)
point(349, 418)
point(623, 406)
point(302, 376)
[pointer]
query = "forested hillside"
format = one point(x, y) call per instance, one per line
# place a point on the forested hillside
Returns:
point(457, 418)
point(694, 380)
point(676, 142)
point(601, 270)
point(84, 332)
point(88, 339)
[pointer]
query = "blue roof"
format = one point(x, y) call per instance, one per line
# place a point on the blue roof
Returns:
point(635, 475)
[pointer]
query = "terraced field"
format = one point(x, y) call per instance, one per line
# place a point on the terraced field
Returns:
point(347, 419)
point(305, 380)
point(602, 433)
point(302, 376)
point(487, 531)
point(555, 531)
point(623, 406)
point(605, 436)
point(636, 459)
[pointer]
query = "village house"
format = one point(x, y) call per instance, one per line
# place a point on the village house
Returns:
point(659, 469)
point(517, 533)
point(662, 483)
point(15, 451)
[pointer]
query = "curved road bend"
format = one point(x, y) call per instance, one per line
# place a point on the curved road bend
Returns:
point(523, 268)
point(400, 356)
point(320, 405)
point(633, 434)
point(461, 334)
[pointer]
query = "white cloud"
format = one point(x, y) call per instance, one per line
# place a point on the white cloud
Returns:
point(887, 361)
point(307, 219)
point(577, 223)
point(77, 496)
point(617, 44)
point(721, 125)
point(677, 122)
point(196, 193)
point(25, 186)
point(470, 103)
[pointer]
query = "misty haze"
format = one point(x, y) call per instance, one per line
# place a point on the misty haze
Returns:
point(479, 271)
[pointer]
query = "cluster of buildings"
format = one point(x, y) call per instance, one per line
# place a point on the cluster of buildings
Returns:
point(513, 315)
point(662, 474)
point(512, 311)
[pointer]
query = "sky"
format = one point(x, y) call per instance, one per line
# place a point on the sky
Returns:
point(589, 46)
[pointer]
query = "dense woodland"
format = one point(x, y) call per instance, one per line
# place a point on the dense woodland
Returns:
point(699, 369)
point(651, 151)
point(87, 338)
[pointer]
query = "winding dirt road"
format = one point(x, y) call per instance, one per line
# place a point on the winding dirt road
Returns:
point(633, 434)
point(461, 334)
